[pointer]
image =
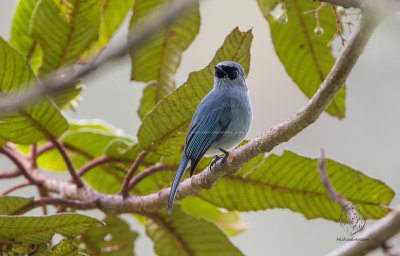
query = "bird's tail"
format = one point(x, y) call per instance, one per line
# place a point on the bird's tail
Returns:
point(178, 177)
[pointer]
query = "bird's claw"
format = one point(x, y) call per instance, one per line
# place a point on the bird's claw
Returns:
point(217, 157)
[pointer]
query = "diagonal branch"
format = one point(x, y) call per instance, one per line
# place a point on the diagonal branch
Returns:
point(67, 161)
point(237, 158)
point(149, 171)
point(62, 79)
point(373, 237)
point(21, 167)
point(95, 162)
point(125, 184)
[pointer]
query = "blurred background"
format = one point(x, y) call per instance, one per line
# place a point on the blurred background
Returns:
point(367, 139)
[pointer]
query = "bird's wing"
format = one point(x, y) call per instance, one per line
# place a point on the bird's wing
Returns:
point(204, 131)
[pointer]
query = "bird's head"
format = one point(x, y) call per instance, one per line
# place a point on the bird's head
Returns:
point(229, 75)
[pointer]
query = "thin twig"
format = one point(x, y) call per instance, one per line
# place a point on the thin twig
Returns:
point(33, 155)
point(95, 162)
point(44, 148)
point(62, 79)
point(372, 237)
point(125, 184)
point(10, 174)
point(15, 187)
point(333, 194)
point(149, 171)
point(67, 161)
point(19, 165)
point(58, 202)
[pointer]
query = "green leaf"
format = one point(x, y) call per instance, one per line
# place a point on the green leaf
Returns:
point(21, 37)
point(63, 97)
point(113, 239)
point(230, 222)
point(66, 247)
point(35, 121)
point(306, 56)
point(41, 229)
point(292, 181)
point(65, 29)
point(127, 150)
point(113, 13)
point(168, 122)
point(159, 58)
point(12, 204)
point(182, 234)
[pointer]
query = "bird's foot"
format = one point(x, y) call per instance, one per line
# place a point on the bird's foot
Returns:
point(217, 157)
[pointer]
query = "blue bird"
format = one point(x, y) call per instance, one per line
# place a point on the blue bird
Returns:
point(220, 122)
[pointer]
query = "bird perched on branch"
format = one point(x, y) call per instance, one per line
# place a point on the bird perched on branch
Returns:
point(220, 122)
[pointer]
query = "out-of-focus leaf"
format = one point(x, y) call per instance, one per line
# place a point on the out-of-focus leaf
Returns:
point(159, 58)
point(113, 12)
point(164, 128)
point(113, 239)
point(307, 57)
point(63, 97)
point(12, 204)
point(66, 247)
point(21, 37)
point(292, 181)
point(35, 121)
point(65, 29)
point(41, 229)
point(182, 234)
point(230, 222)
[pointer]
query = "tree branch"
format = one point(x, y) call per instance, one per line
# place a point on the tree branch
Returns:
point(19, 165)
point(57, 202)
point(10, 174)
point(15, 187)
point(152, 169)
point(67, 161)
point(238, 157)
point(95, 162)
point(333, 194)
point(373, 237)
point(125, 184)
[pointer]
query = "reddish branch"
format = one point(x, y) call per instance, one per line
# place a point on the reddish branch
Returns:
point(95, 162)
point(15, 159)
point(67, 161)
point(149, 171)
point(10, 174)
point(125, 184)
point(15, 187)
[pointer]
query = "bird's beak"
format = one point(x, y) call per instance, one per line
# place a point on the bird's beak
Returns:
point(216, 68)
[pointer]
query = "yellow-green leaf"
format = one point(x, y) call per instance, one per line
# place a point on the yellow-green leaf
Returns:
point(182, 234)
point(41, 229)
point(230, 222)
point(164, 128)
point(159, 58)
point(292, 181)
point(113, 13)
point(65, 29)
point(66, 247)
point(306, 56)
point(113, 239)
point(35, 121)
point(12, 204)
point(21, 37)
